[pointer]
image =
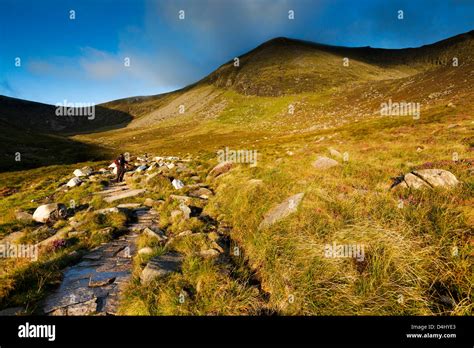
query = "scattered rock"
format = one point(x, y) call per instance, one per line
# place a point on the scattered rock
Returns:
point(74, 182)
point(161, 266)
point(290, 205)
point(145, 251)
point(154, 234)
point(123, 194)
point(149, 202)
point(50, 212)
point(177, 184)
point(221, 168)
point(85, 171)
point(335, 153)
point(128, 205)
point(324, 163)
point(182, 199)
point(202, 192)
point(186, 210)
point(209, 253)
point(426, 178)
point(113, 210)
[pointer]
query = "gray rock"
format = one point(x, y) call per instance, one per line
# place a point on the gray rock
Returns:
point(154, 234)
point(177, 184)
point(221, 168)
point(324, 163)
point(74, 182)
point(202, 192)
point(113, 210)
point(84, 171)
point(282, 210)
point(128, 205)
point(182, 199)
point(50, 212)
point(186, 210)
point(428, 178)
point(334, 153)
point(161, 266)
point(145, 251)
point(209, 253)
point(124, 194)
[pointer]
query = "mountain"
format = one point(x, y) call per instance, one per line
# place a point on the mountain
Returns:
point(254, 97)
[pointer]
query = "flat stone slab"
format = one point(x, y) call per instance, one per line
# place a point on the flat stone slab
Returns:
point(124, 194)
point(161, 266)
point(282, 210)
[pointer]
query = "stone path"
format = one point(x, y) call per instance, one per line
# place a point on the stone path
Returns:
point(92, 286)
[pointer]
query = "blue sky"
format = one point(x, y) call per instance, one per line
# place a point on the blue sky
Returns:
point(82, 60)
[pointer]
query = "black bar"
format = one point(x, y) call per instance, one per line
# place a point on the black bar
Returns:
point(241, 330)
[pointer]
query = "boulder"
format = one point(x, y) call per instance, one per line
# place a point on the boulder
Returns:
point(84, 171)
point(154, 234)
point(221, 168)
point(50, 212)
point(290, 205)
point(324, 163)
point(74, 182)
point(177, 184)
point(161, 266)
point(427, 178)
point(170, 166)
point(186, 210)
point(202, 192)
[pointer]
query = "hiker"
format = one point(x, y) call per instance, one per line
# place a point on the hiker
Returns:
point(120, 164)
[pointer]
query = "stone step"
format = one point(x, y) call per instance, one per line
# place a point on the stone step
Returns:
point(124, 194)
